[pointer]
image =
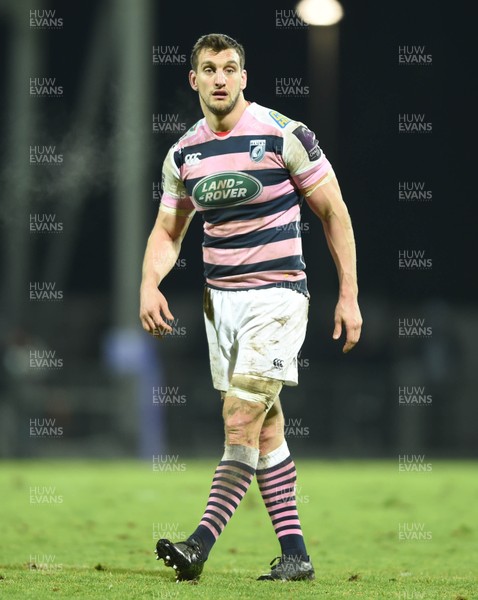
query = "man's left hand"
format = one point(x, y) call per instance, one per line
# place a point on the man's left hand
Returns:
point(347, 313)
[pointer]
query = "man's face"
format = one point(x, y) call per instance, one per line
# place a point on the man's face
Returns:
point(219, 80)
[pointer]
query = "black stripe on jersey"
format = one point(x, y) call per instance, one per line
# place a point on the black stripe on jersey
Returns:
point(178, 158)
point(255, 238)
point(285, 263)
point(245, 212)
point(297, 286)
point(265, 176)
point(235, 144)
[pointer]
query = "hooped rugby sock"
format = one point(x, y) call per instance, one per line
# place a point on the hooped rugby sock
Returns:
point(276, 476)
point(231, 481)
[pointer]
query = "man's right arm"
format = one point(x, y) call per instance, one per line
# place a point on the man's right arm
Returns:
point(162, 251)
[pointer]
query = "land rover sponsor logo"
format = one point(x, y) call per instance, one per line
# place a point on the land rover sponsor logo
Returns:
point(226, 189)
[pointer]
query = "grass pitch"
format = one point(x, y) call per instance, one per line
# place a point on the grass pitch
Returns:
point(88, 529)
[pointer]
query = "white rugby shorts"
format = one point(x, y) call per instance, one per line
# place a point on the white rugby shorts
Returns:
point(255, 332)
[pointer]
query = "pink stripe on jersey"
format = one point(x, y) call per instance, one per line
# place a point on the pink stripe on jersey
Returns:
point(312, 175)
point(237, 282)
point(177, 203)
point(248, 256)
point(233, 162)
point(281, 219)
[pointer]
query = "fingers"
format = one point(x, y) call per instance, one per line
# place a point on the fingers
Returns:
point(353, 329)
point(164, 309)
point(155, 313)
point(154, 324)
point(337, 329)
point(148, 323)
point(161, 326)
point(353, 336)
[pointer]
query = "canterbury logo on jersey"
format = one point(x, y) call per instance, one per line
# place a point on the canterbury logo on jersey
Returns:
point(192, 159)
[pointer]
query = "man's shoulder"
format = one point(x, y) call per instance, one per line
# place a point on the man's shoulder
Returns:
point(192, 135)
point(276, 120)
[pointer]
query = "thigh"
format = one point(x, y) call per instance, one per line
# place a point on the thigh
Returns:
point(271, 334)
point(219, 320)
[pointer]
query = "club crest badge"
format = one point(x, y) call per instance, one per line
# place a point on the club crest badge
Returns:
point(257, 150)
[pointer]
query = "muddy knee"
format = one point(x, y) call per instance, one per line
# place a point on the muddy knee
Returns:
point(245, 405)
point(272, 431)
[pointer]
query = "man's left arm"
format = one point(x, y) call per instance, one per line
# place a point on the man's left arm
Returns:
point(325, 200)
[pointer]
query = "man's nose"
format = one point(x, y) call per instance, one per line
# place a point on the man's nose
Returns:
point(220, 78)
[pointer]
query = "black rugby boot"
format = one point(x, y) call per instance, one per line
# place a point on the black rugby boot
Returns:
point(289, 568)
point(186, 558)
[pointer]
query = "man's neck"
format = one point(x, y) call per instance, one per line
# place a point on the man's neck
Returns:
point(226, 122)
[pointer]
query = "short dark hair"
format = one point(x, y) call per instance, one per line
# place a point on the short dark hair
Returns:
point(216, 42)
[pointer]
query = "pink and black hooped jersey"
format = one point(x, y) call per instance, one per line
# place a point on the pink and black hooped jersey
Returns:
point(246, 186)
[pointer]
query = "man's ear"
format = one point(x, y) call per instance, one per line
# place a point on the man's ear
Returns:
point(192, 80)
point(244, 79)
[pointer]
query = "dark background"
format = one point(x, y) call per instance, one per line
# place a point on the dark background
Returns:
point(345, 405)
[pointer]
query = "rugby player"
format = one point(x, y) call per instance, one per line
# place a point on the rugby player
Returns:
point(246, 169)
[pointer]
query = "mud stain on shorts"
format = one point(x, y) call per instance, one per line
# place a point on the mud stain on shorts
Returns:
point(259, 348)
point(207, 304)
point(281, 320)
point(258, 385)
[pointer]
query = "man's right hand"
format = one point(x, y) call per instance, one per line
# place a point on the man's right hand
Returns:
point(153, 310)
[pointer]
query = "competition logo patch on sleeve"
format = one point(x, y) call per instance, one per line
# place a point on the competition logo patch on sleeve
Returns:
point(257, 150)
point(307, 138)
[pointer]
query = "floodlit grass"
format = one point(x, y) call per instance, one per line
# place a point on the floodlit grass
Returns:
point(88, 529)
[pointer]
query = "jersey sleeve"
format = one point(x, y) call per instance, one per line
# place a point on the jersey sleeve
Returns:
point(175, 199)
point(303, 156)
